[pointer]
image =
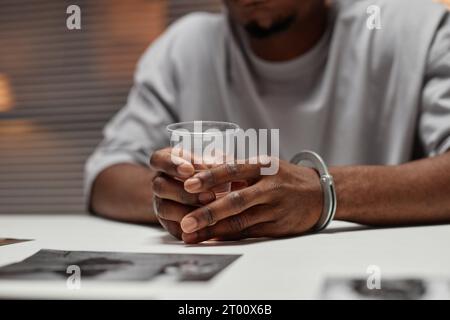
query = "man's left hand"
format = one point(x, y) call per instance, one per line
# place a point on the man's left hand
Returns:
point(285, 204)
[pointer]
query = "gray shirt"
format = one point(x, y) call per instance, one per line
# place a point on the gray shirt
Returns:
point(359, 96)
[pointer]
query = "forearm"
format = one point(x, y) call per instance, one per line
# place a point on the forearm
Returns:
point(414, 193)
point(123, 192)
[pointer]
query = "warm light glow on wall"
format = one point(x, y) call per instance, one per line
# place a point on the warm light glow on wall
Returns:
point(446, 3)
point(6, 96)
point(127, 28)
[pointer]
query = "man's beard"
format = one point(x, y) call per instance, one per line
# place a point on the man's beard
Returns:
point(279, 26)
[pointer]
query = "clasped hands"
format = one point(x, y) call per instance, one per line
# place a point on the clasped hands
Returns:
point(284, 204)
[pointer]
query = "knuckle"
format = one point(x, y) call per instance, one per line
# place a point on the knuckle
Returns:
point(209, 178)
point(208, 215)
point(237, 223)
point(274, 187)
point(185, 198)
point(232, 169)
point(237, 200)
point(158, 184)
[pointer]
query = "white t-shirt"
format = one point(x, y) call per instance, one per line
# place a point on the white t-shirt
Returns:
point(360, 96)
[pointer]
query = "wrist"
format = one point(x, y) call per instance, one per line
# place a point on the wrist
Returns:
point(343, 184)
point(358, 190)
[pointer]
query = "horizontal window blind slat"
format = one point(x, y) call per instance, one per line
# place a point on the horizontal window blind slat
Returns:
point(25, 161)
point(67, 85)
point(48, 184)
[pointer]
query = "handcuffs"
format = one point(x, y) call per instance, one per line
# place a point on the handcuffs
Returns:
point(326, 182)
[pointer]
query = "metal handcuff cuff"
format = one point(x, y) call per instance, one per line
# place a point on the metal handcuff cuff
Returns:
point(326, 182)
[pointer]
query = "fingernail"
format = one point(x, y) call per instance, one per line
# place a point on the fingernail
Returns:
point(185, 169)
point(189, 224)
point(192, 183)
point(206, 197)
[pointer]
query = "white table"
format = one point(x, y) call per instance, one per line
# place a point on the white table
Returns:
point(293, 268)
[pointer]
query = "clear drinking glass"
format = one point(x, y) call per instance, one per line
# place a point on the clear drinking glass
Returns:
point(205, 144)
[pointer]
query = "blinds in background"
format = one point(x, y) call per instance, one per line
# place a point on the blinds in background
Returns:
point(178, 8)
point(64, 85)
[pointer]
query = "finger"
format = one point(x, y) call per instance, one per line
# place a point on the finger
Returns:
point(234, 227)
point(166, 187)
point(231, 204)
point(172, 227)
point(207, 179)
point(170, 210)
point(168, 162)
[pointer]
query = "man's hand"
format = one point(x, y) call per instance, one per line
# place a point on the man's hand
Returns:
point(170, 200)
point(288, 203)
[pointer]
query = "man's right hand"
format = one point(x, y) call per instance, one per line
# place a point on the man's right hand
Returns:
point(171, 201)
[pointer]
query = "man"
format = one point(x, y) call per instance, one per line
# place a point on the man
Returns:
point(373, 102)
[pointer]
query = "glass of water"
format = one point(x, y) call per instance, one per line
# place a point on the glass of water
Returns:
point(205, 144)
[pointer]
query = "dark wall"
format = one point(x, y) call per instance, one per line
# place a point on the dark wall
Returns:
point(65, 85)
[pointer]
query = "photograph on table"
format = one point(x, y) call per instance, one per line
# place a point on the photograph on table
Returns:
point(389, 289)
point(117, 266)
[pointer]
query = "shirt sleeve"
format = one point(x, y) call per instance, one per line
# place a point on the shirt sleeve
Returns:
point(140, 127)
point(434, 120)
